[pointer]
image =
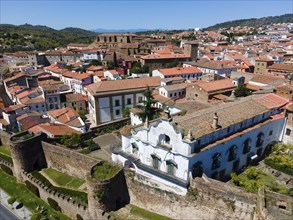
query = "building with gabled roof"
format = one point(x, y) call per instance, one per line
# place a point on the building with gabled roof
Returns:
point(214, 141)
point(69, 117)
point(184, 72)
point(107, 99)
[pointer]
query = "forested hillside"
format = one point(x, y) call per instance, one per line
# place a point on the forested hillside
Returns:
point(254, 22)
point(42, 37)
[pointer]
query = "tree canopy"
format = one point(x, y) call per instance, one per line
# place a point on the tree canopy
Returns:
point(147, 109)
point(242, 91)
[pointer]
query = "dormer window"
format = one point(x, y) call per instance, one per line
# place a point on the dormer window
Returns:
point(167, 139)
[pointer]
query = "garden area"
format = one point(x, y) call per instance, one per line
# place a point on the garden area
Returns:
point(281, 158)
point(63, 179)
point(79, 196)
point(39, 208)
point(252, 178)
point(5, 154)
point(105, 171)
point(134, 212)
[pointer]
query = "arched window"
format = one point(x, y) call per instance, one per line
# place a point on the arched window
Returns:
point(216, 162)
point(246, 146)
point(260, 139)
point(232, 152)
point(197, 169)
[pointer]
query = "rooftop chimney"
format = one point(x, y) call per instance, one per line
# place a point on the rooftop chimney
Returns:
point(215, 121)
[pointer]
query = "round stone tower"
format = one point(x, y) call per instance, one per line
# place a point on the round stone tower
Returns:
point(27, 153)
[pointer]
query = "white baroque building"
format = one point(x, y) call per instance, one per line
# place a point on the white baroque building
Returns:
point(168, 152)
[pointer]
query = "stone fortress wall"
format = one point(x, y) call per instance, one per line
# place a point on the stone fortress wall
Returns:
point(34, 153)
point(207, 198)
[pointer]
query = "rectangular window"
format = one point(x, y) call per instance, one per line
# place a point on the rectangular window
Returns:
point(271, 132)
point(128, 101)
point(139, 99)
point(117, 112)
point(288, 132)
point(117, 102)
point(170, 169)
point(155, 163)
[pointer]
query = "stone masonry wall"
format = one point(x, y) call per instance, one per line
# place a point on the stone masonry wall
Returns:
point(68, 161)
point(200, 203)
point(108, 195)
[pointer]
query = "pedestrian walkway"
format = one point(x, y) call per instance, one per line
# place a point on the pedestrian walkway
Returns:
point(18, 209)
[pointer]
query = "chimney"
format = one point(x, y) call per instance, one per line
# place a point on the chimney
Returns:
point(215, 121)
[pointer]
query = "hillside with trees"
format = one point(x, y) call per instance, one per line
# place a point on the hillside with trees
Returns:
point(254, 22)
point(41, 37)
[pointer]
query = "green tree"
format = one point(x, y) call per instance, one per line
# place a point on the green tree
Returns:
point(242, 91)
point(111, 65)
point(72, 140)
point(126, 112)
point(174, 63)
point(82, 114)
point(147, 109)
point(69, 67)
point(115, 59)
point(96, 63)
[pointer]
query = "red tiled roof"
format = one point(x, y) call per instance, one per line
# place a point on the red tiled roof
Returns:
point(272, 101)
point(120, 85)
point(179, 71)
point(164, 56)
point(57, 129)
point(76, 75)
point(217, 85)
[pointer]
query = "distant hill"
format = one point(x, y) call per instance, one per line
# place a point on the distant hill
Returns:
point(101, 30)
point(286, 18)
point(42, 37)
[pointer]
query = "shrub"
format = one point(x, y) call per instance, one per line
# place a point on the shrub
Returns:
point(54, 204)
point(78, 217)
point(6, 169)
point(11, 200)
point(32, 188)
point(278, 166)
point(36, 216)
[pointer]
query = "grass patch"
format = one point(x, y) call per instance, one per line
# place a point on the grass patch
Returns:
point(134, 210)
point(105, 171)
point(80, 197)
point(5, 150)
point(63, 179)
point(6, 157)
point(27, 198)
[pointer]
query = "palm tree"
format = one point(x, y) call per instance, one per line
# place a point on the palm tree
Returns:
point(147, 109)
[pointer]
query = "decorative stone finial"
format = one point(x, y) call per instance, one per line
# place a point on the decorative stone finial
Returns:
point(215, 121)
point(146, 123)
point(189, 136)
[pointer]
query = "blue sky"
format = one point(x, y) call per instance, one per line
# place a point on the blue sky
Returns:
point(136, 14)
